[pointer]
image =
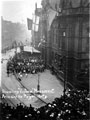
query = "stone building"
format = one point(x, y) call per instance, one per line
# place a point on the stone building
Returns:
point(65, 28)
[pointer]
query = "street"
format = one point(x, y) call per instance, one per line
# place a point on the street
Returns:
point(16, 92)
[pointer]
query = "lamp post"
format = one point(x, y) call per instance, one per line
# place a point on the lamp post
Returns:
point(64, 75)
point(65, 69)
point(38, 85)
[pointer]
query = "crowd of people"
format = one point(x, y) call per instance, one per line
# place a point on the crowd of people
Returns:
point(21, 64)
point(74, 105)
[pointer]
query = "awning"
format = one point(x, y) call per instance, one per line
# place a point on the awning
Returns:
point(30, 49)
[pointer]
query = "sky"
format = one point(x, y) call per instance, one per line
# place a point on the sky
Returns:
point(18, 10)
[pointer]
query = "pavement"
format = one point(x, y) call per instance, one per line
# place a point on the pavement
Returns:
point(25, 91)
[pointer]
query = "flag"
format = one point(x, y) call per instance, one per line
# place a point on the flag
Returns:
point(39, 44)
point(36, 19)
point(29, 24)
point(35, 25)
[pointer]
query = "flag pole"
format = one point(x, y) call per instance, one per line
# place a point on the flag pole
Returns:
point(32, 40)
point(32, 32)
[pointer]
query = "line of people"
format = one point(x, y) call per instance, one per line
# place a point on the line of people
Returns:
point(27, 65)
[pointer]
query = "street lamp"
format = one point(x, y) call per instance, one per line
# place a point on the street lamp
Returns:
point(38, 85)
point(64, 76)
point(65, 70)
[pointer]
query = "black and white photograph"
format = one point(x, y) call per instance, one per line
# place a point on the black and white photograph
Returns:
point(44, 60)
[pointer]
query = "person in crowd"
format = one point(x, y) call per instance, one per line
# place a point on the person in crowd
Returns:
point(73, 106)
point(19, 78)
point(25, 65)
point(7, 71)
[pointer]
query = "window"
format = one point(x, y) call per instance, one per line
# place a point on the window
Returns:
point(85, 45)
point(54, 35)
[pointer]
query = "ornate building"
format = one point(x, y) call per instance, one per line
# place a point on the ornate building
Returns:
point(66, 34)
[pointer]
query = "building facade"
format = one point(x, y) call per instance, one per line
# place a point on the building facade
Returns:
point(66, 35)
